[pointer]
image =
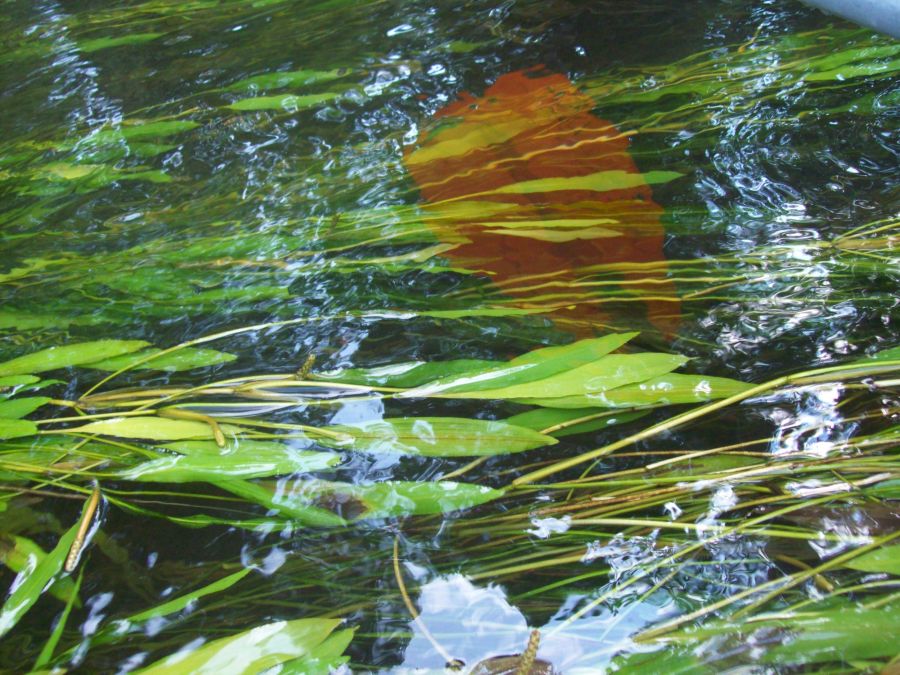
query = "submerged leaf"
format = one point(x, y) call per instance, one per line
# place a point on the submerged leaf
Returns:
point(409, 374)
point(279, 80)
point(151, 427)
point(397, 498)
point(440, 437)
point(17, 408)
point(97, 44)
point(183, 359)
point(19, 553)
point(545, 418)
point(538, 364)
point(34, 580)
point(69, 355)
point(17, 428)
point(214, 468)
point(182, 601)
point(670, 389)
point(252, 651)
point(885, 559)
point(285, 102)
point(590, 380)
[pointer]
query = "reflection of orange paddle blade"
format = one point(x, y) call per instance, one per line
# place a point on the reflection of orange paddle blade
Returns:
point(539, 188)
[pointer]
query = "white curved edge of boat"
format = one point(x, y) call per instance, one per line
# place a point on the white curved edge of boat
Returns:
point(882, 15)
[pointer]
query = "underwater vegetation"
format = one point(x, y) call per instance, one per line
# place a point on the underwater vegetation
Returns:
point(367, 337)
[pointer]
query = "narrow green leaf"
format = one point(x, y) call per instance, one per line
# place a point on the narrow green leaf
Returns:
point(20, 553)
point(183, 359)
point(49, 647)
point(69, 355)
point(285, 102)
point(326, 659)
point(97, 44)
point(152, 428)
point(289, 505)
point(16, 408)
point(440, 437)
point(885, 559)
point(543, 418)
point(837, 635)
point(589, 381)
point(602, 181)
point(534, 365)
point(215, 468)
point(280, 80)
point(18, 380)
point(670, 389)
point(397, 498)
point(32, 581)
point(17, 428)
point(409, 374)
point(182, 601)
point(250, 652)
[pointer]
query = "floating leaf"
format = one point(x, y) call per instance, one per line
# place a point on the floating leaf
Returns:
point(538, 364)
point(285, 102)
point(182, 359)
point(152, 428)
point(245, 464)
point(252, 651)
point(33, 580)
point(670, 389)
point(69, 355)
point(440, 437)
point(17, 408)
point(17, 428)
point(886, 559)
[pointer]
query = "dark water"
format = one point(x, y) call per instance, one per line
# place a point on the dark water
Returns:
point(308, 209)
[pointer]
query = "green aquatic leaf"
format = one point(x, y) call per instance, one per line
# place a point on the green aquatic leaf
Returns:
point(252, 651)
point(283, 102)
point(282, 79)
point(602, 181)
point(33, 580)
point(245, 464)
point(327, 658)
point(396, 498)
point(18, 380)
point(17, 408)
point(97, 44)
point(590, 380)
point(183, 359)
point(408, 374)
point(17, 428)
point(287, 504)
point(670, 389)
point(842, 635)
point(885, 559)
point(439, 437)
point(182, 601)
point(20, 553)
point(544, 418)
point(132, 130)
point(538, 364)
point(69, 355)
point(151, 428)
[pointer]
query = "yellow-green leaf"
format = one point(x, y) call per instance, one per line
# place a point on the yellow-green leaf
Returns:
point(69, 355)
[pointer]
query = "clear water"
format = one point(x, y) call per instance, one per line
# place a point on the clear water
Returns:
point(245, 217)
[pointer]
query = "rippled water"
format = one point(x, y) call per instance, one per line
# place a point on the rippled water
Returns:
point(153, 189)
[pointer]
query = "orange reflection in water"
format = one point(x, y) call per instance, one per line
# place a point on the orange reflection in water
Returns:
point(537, 190)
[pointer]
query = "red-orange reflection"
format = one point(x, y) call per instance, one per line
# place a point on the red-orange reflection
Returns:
point(538, 188)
